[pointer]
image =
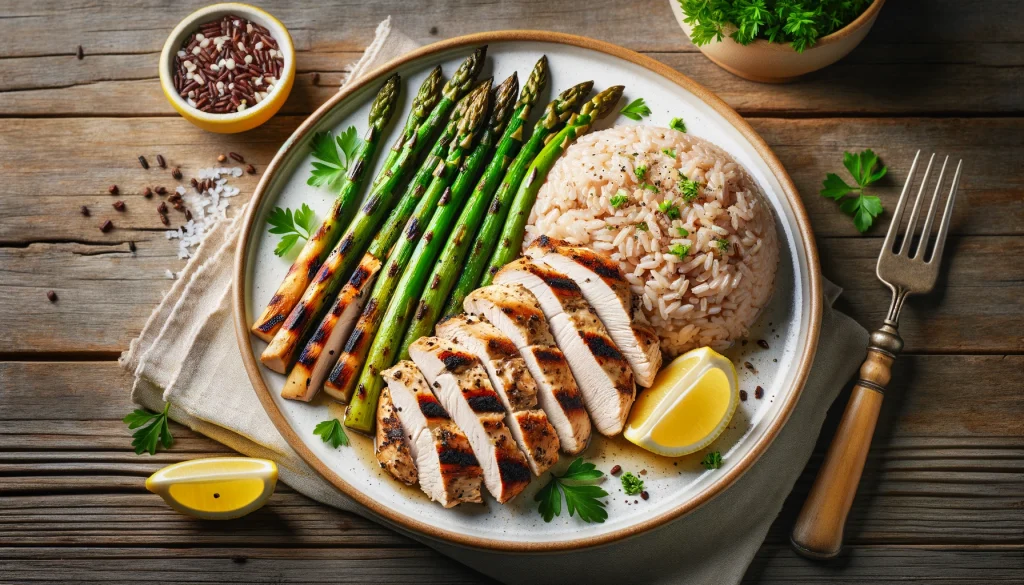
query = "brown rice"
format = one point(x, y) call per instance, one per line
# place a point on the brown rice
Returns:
point(714, 292)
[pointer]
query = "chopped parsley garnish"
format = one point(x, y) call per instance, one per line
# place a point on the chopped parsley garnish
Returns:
point(679, 250)
point(152, 432)
point(640, 171)
point(863, 207)
point(581, 495)
point(690, 190)
point(291, 227)
point(712, 460)
point(619, 199)
point(669, 152)
point(649, 187)
point(669, 209)
point(331, 431)
point(682, 232)
point(636, 110)
point(722, 244)
point(331, 169)
point(677, 124)
point(631, 484)
point(642, 226)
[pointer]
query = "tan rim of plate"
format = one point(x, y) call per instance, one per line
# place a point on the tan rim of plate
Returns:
point(410, 523)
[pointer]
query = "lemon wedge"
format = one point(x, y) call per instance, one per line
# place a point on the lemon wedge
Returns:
point(218, 488)
point(688, 406)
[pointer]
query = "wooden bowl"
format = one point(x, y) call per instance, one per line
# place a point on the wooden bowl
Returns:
point(778, 62)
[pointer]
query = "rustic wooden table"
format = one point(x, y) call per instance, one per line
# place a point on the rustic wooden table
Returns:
point(942, 494)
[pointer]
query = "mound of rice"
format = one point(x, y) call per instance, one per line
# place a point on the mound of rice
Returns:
point(725, 231)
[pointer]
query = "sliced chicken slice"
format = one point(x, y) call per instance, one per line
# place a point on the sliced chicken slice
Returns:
point(516, 313)
point(600, 369)
point(607, 290)
point(513, 383)
point(460, 383)
point(446, 467)
point(392, 450)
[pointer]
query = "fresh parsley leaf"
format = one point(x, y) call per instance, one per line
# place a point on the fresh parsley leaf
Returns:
point(669, 152)
point(330, 170)
point(865, 169)
point(642, 226)
point(636, 110)
point(152, 430)
point(722, 244)
point(331, 431)
point(640, 171)
point(669, 209)
point(682, 232)
point(679, 250)
point(712, 460)
point(649, 187)
point(690, 190)
point(291, 227)
point(581, 495)
point(619, 199)
point(677, 124)
point(631, 484)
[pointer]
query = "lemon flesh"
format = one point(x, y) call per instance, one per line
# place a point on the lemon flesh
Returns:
point(690, 403)
point(218, 488)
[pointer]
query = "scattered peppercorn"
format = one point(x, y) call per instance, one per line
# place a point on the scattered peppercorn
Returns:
point(107, 226)
point(221, 158)
point(143, 162)
point(81, 53)
point(147, 193)
point(160, 160)
point(750, 367)
point(759, 393)
point(176, 173)
point(195, 184)
point(164, 220)
point(161, 190)
point(162, 208)
point(236, 156)
point(113, 190)
point(52, 296)
point(762, 343)
point(250, 169)
point(743, 395)
point(131, 246)
point(645, 495)
point(616, 470)
point(119, 205)
point(85, 211)
point(643, 472)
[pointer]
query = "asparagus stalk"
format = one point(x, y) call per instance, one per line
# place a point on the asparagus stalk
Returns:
point(450, 263)
point(342, 259)
point(326, 236)
point(425, 100)
point(341, 381)
point(512, 235)
point(555, 114)
point(360, 414)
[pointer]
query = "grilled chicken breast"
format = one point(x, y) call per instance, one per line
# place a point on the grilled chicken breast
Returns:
point(607, 291)
point(600, 369)
point(447, 469)
point(516, 313)
point(513, 383)
point(460, 383)
point(392, 450)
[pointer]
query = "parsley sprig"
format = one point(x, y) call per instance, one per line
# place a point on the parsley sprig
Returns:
point(631, 484)
point(331, 431)
point(330, 170)
point(678, 124)
point(151, 430)
point(581, 495)
point(291, 226)
point(712, 460)
point(854, 201)
point(636, 110)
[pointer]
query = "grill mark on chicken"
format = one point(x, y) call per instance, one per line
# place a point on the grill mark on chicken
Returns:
point(485, 402)
point(431, 408)
point(456, 457)
point(502, 346)
point(455, 362)
point(602, 347)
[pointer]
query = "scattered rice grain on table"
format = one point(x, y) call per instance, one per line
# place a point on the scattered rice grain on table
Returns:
point(714, 292)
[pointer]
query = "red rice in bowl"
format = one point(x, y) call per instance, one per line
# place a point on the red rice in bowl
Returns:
point(714, 292)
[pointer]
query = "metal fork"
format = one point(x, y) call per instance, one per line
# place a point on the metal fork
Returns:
point(910, 269)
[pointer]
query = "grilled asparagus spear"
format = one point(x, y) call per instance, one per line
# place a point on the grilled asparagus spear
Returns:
point(556, 113)
point(342, 259)
point(450, 263)
point(323, 240)
point(425, 100)
point(515, 226)
point(360, 414)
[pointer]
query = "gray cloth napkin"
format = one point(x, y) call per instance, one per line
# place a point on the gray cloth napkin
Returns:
point(187, 355)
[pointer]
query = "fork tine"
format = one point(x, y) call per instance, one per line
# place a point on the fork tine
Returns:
point(940, 239)
point(926, 231)
point(912, 223)
point(894, 224)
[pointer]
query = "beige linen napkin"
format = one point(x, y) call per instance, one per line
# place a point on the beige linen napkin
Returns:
point(187, 355)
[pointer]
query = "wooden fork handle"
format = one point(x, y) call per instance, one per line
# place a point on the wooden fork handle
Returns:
point(818, 532)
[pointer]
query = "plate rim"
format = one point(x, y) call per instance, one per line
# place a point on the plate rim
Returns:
point(407, 522)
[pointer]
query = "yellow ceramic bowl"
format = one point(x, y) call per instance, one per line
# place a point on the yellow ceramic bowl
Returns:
point(250, 117)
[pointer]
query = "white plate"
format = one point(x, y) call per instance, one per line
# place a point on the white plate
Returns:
point(789, 324)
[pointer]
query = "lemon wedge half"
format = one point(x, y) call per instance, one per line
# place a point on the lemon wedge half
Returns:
point(690, 403)
point(218, 488)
